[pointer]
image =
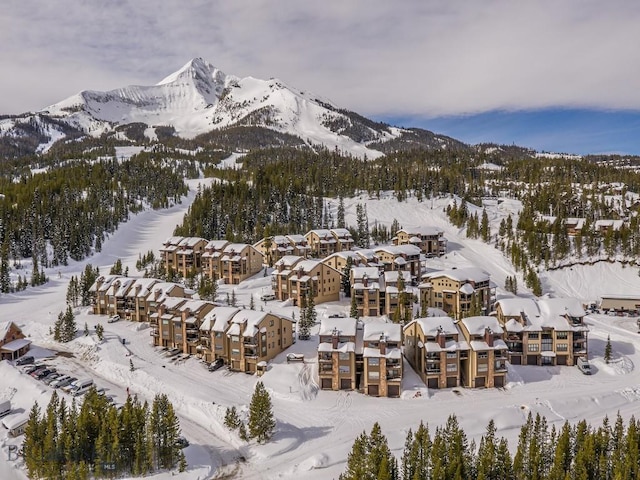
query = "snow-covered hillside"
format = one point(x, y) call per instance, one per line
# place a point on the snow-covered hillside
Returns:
point(316, 429)
point(200, 98)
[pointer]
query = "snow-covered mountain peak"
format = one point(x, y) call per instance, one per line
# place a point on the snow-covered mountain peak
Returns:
point(196, 69)
point(200, 98)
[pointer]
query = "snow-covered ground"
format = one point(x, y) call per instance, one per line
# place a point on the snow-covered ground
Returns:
point(316, 428)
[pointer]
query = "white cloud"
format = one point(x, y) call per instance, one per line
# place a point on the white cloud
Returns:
point(373, 56)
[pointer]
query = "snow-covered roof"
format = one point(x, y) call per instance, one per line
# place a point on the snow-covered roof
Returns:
point(578, 223)
point(220, 317)
point(141, 287)
point(321, 232)
point(399, 250)
point(612, 224)
point(252, 319)
point(561, 307)
point(477, 325)
point(235, 248)
point(4, 328)
point(392, 276)
point(123, 286)
point(344, 326)
point(515, 307)
point(513, 326)
point(288, 260)
point(297, 238)
point(234, 329)
point(481, 345)
point(372, 273)
point(171, 303)
point(374, 331)
point(467, 289)
point(472, 274)
point(431, 326)
point(342, 233)
point(194, 305)
point(216, 245)
point(175, 240)
point(190, 242)
point(424, 231)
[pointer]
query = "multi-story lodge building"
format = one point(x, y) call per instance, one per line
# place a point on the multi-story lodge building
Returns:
point(548, 331)
point(367, 290)
point(437, 351)
point(486, 365)
point(296, 277)
point(238, 262)
point(459, 292)
point(211, 266)
point(337, 353)
point(430, 240)
point(392, 291)
point(324, 242)
point(400, 257)
point(274, 248)
point(244, 339)
point(382, 359)
point(339, 260)
point(182, 254)
point(356, 357)
point(177, 322)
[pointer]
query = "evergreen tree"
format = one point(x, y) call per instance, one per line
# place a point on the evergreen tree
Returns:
point(231, 419)
point(262, 423)
point(607, 350)
point(5, 281)
point(340, 219)
point(353, 312)
point(100, 331)
point(346, 277)
point(252, 303)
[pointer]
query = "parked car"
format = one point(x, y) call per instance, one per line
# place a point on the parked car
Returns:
point(113, 319)
point(50, 378)
point(265, 297)
point(38, 370)
point(216, 364)
point(32, 368)
point(62, 381)
point(41, 374)
point(25, 360)
point(295, 357)
point(182, 442)
point(584, 366)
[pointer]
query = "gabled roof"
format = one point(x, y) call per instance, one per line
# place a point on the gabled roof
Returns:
point(424, 230)
point(372, 273)
point(561, 307)
point(431, 326)
point(220, 317)
point(399, 249)
point(374, 330)
point(477, 325)
point(472, 274)
point(288, 260)
point(342, 233)
point(4, 328)
point(344, 326)
point(252, 319)
point(216, 245)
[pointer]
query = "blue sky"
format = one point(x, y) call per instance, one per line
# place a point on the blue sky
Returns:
point(553, 75)
point(577, 131)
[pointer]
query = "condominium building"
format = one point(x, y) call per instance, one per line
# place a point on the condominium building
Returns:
point(488, 354)
point(296, 277)
point(182, 254)
point(382, 359)
point(430, 240)
point(367, 291)
point(437, 351)
point(337, 353)
point(460, 292)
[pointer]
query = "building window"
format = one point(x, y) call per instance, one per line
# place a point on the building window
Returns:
point(452, 367)
point(562, 347)
point(344, 369)
point(482, 367)
point(533, 347)
point(562, 335)
point(534, 335)
point(483, 355)
point(235, 338)
point(374, 362)
point(374, 375)
point(343, 356)
point(452, 354)
point(235, 351)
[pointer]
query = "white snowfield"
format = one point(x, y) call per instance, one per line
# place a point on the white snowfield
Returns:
point(199, 98)
point(316, 429)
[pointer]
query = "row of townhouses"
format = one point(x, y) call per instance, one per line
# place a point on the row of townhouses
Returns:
point(472, 351)
point(234, 262)
point(243, 339)
point(576, 226)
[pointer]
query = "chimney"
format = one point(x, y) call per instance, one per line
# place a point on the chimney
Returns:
point(300, 272)
point(383, 344)
point(441, 338)
point(280, 267)
point(334, 339)
point(488, 336)
point(365, 280)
